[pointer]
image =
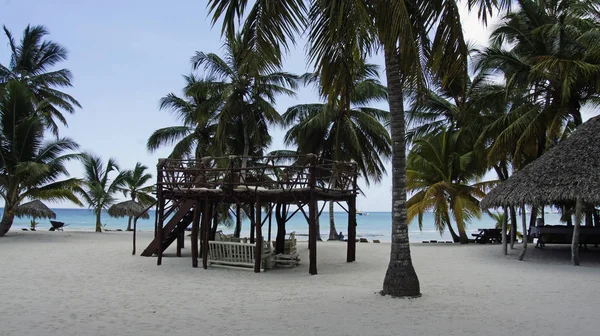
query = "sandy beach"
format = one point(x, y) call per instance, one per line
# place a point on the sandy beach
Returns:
point(83, 283)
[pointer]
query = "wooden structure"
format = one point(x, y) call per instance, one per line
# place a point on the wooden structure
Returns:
point(567, 174)
point(188, 192)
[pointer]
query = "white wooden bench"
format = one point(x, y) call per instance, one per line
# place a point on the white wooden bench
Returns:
point(237, 255)
point(290, 256)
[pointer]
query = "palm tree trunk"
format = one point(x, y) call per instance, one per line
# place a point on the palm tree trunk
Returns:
point(332, 229)
point(455, 237)
point(318, 224)
point(280, 217)
point(98, 223)
point(238, 221)
point(513, 227)
point(464, 239)
point(129, 223)
point(400, 280)
point(7, 219)
point(245, 153)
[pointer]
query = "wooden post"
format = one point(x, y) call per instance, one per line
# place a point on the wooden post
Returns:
point(179, 240)
point(252, 224)
point(205, 228)
point(134, 230)
point(504, 238)
point(351, 248)
point(525, 235)
point(312, 222)
point(259, 238)
point(575, 242)
point(195, 227)
point(270, 216)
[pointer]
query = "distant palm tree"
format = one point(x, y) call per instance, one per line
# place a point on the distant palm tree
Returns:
point(30, 62)
point(440, 172)
point(198, 111)
point(335, 132)
point(97, 188)
point(249, 85)
point(29, 166)
point(134, 187)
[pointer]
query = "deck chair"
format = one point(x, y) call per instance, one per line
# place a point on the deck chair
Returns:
point(57, 226)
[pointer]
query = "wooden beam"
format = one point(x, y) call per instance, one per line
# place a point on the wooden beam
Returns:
point(575, 241)
point(351, 247)
point(194, 238)
point(259, 238)
point(525, 235)
point(205, 224)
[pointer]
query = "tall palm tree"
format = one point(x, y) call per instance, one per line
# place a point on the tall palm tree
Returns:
point(198, 111)
point(335, 132)
point(401, 28)
point(442, 170)
point(31, 61)
point(29, 166)
point(249, 85)
point(134, 186)
point(98, 188)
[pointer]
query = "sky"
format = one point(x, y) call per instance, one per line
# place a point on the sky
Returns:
point(126, 55)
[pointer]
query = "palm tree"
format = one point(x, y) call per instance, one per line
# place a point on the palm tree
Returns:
point(134, 187)
point(29, 166)
point(30, 62)
point(249, 85)
point(401, 28)
point(334, 132)
point(198, 111)
point(441, 171)
point(98, 189)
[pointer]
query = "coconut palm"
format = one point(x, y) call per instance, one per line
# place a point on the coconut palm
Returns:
point(134, 187)
point(197, 110)
point(249, 85)
point(334, 132)
point(31, 61)
point(98, 188)
point(401, 28)
point(441, 172)
point(29, 166)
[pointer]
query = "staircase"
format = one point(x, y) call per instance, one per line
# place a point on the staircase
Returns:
point(178, 223)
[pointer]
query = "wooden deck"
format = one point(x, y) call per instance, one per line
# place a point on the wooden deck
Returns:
point(201, 185)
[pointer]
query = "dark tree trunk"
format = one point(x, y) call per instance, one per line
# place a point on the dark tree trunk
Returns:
point(462, 234)
point(215, 224)
point(589, 221)
point(129, 223)
point(238, 221)
point(318, 224)
point(98, 222)
point(252, 224)
point(7, 220)
point(533, 216)
point(455, 237)
point(280, 217)
point(332, 229)
point(400, 280)
point(596, 216)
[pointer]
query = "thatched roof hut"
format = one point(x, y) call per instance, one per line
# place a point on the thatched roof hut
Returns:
point(567, 173)
point(35, 209)
point(128, 209)
point(569, 170)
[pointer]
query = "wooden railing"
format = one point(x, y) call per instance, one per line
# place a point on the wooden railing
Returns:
point(267, 172)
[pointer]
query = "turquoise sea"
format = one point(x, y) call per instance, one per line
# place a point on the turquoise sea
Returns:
point(375, 225)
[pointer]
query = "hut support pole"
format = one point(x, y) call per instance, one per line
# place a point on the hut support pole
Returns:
point(504, 237)
point(525, 236)
point(195, 227)
point(575, 242)
point(259, 238)
point(270, 217)
point(206, 216)
point(180, 236)
point(351, 247)
point(134, 229)
point(312, 234)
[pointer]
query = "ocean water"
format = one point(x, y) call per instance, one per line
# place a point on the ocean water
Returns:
point(375, 225)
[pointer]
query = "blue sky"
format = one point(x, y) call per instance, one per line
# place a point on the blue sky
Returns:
point(126, 55)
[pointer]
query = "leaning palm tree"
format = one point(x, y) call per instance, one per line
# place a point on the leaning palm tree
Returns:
point(31, 62)
point(442, 170)
point(97, 188)
point(134, 187)
point(29, 166)
point(344, 132)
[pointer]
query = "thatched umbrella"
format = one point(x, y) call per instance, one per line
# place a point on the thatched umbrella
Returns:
point(131, 209)
point(35, 209)
point(567, 173)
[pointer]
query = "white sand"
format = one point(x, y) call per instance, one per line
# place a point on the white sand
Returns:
point(83, 283)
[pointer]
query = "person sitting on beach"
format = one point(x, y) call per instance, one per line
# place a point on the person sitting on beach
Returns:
point(340, 236)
